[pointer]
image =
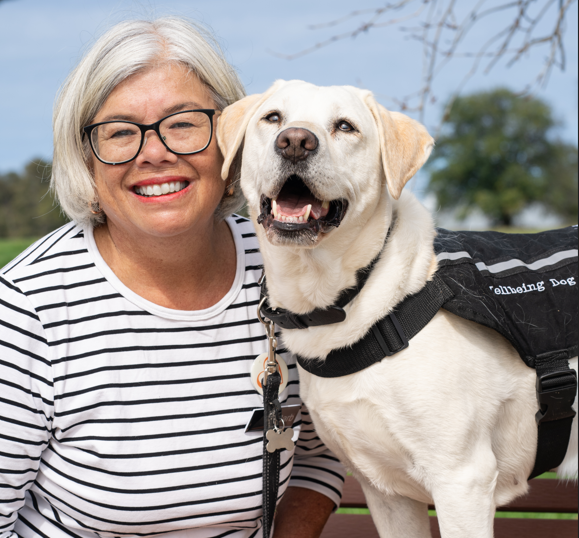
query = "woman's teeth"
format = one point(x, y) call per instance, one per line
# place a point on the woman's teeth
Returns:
point(160, 189)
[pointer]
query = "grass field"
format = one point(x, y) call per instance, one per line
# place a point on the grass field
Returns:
point(10, 248)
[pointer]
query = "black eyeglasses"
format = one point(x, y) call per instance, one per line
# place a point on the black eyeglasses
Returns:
point(182, 133)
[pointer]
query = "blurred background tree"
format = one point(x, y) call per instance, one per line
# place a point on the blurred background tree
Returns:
point(498, 152)
point(27, 208)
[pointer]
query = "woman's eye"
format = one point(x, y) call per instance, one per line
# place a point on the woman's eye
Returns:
point(273, 117)
point(122, 133)
point(182, 125)
point(345, 126)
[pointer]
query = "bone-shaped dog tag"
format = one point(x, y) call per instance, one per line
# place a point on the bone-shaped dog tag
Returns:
point(279, 440)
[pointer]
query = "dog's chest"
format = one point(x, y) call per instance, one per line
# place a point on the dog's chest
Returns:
point(338, 412)
point(363, 432)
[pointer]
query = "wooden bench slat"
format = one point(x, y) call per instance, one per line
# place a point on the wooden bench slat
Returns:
point(545, 495)
point(352, 495)
point(361, 526)
point(524, 528)
point(349, 526)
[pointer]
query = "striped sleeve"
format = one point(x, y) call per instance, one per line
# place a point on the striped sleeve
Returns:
point(315, 466)
point(26, 401)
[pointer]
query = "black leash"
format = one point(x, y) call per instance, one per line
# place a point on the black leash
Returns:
point(271, 460)
point(276, 436)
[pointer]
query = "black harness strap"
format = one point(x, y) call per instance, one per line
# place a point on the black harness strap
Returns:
point(387, 336)
point(556, 389)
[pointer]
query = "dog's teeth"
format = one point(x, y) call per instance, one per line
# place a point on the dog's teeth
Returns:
point(274, 208)
point(325, 204)
point(300, 219)
point(307, 213)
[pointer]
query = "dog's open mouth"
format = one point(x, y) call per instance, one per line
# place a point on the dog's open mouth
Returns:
point(296, 209)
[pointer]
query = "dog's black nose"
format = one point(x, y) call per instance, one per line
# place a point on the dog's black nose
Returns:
point(296, 144)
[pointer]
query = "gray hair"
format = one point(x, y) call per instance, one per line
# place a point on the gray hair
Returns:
point(126, 49)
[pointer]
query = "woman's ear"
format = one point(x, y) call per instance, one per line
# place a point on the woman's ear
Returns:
point(405, 145)
point(232, 124)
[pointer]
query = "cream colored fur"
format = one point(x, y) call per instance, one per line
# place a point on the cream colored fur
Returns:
point(449, 420)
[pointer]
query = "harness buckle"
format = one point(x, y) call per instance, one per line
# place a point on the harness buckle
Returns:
point(399, 330)
point(556, 393)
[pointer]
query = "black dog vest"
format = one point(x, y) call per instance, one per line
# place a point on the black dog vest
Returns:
point(522, 285)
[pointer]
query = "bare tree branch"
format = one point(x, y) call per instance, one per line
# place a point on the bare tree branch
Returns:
point(444, 28)
point(364, 27)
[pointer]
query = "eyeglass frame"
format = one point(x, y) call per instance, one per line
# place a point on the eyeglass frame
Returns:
point(209, 112)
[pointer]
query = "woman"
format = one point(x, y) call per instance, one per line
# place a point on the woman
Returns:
point(127, 335)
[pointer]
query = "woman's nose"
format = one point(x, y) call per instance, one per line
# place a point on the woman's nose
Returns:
point(154, 151)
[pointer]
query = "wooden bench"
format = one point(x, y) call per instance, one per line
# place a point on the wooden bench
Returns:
point(545, 495)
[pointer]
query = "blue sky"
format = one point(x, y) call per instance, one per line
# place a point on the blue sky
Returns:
point(41, 41)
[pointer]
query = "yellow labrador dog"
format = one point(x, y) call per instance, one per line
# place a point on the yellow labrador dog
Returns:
point(450, 419)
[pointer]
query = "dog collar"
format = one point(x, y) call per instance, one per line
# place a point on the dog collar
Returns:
point(320, 316)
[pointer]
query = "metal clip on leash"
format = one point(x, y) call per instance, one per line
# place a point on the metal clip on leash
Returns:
point(276, 438)
point(271, 365)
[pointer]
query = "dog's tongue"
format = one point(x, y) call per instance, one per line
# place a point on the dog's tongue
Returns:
point(295, 205)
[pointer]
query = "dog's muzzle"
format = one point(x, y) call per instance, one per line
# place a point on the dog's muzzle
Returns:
point(296, 210)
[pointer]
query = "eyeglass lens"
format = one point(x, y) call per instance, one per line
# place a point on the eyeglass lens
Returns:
point(118, 141)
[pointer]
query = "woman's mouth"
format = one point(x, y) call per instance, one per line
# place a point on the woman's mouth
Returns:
point(160, 189)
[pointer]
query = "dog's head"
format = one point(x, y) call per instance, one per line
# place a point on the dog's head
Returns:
point(315, 156)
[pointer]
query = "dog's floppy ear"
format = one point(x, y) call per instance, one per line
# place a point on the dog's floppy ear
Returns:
point(233, 122)
point(405, 145)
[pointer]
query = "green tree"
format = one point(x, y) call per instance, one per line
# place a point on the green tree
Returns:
point(497, 152)
point(27, 208)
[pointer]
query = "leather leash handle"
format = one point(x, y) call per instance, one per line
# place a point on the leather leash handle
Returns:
point(271, 460)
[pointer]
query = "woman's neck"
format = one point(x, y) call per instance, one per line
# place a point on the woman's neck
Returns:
point(191, 271)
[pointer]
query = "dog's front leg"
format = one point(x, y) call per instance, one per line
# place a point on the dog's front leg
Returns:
point(464, 501)
point(396, 516)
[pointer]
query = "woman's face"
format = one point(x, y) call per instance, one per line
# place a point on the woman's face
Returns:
point(147, 97)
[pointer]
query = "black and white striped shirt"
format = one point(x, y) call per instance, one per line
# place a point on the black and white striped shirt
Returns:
point(119, 417)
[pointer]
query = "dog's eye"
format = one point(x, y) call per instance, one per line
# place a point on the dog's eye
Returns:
point(273, 117)
point(345, 126)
